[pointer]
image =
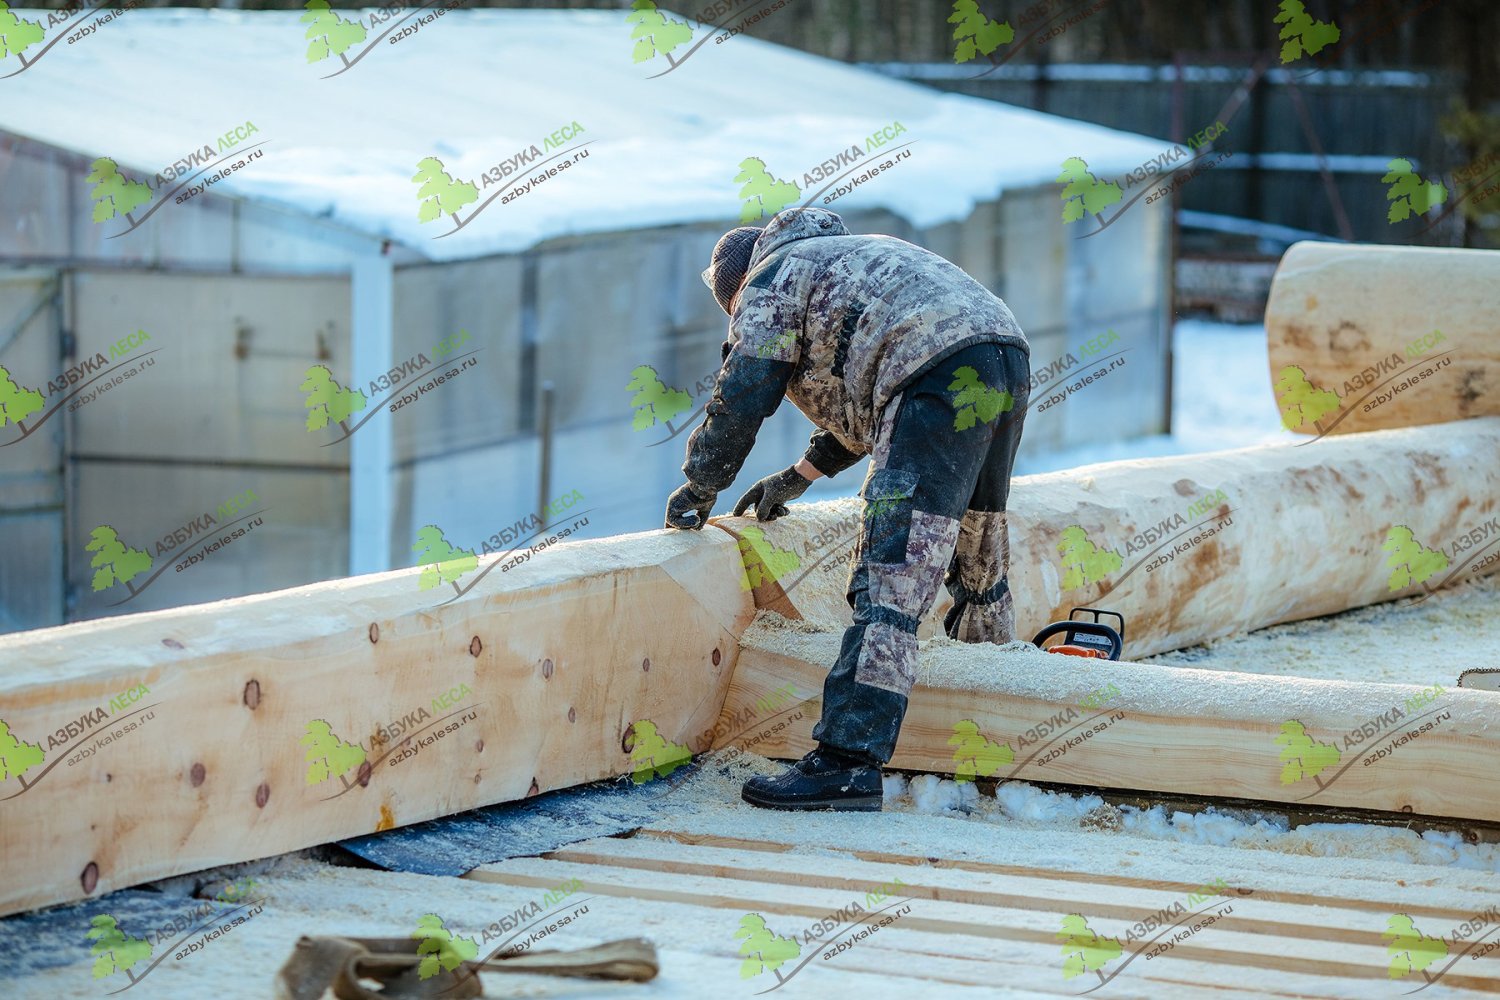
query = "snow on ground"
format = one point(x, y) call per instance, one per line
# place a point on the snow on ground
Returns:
point(1018, 805)
point(1221, 398)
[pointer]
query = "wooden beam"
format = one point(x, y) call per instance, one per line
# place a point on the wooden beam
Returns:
point(1018, 714)
point(1369, 337)
point(990, 916)
point(533, 677)
point(1191, 548)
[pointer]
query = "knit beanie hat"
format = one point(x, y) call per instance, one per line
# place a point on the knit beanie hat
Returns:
point(731, 259)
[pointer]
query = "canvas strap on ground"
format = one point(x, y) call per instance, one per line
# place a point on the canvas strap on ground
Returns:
point(342, 962)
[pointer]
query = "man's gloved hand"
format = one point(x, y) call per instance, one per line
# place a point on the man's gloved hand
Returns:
point(769, 497)
point(690, 498)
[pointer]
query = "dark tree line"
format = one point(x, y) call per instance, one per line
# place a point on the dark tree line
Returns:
point(1460, 35)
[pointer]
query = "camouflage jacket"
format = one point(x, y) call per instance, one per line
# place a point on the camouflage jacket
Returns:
point(839, 324)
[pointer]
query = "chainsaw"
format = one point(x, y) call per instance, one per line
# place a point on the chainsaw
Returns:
point(1087, 636)
point(1091, 637)
point(1480, 679)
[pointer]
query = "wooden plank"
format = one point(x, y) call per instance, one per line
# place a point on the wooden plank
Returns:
point(1170, 729)
point(1274, 893)
point(914, 961)
point(1016, 892)
point(1298, 532)
point(1220, 956)
point(1365, 337)
point(216, 769)
point(1104, 893)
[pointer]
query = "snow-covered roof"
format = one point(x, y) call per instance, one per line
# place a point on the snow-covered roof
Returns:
point(473, 88)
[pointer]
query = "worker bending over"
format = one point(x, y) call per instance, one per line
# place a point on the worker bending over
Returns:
point(895, 353)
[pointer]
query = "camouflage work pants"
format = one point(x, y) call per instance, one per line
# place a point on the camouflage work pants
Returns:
point(934, 513)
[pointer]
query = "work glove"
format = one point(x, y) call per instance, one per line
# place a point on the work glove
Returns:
point(690, 498)
point(769, 497)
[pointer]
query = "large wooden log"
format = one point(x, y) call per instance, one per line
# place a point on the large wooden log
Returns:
point(1024, 715)
point(1369, 337)
point(1282, 533)
point(533, 678)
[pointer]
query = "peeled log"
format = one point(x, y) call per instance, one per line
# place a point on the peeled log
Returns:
point(1336, 312)
point(1101, 724)
point(219, 766)
point(1300, 532)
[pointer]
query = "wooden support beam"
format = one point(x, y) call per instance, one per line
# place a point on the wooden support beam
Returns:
point(1368, 337)
point(530, 681)
point(1191, 548)
point(1018, 714)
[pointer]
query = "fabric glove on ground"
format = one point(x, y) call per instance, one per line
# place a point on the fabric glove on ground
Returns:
point(690, 498)
point(770, 496)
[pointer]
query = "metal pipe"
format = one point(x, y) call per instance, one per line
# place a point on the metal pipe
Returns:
point(544, 432)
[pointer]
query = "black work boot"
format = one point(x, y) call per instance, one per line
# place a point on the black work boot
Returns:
point(824, 779)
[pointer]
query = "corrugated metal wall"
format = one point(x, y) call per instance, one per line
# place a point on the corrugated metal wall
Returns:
point(1359, 119)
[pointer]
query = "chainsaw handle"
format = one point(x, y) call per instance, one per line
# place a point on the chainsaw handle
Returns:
point(1077, 625)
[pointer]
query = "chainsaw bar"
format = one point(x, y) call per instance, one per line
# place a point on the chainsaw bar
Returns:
point(1480, 679)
